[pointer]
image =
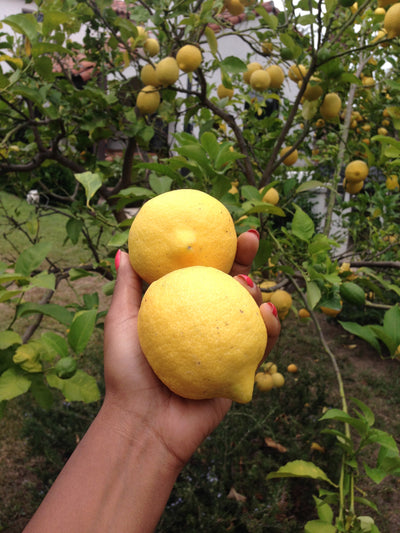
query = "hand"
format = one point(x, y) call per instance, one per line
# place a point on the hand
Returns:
point(132, 387)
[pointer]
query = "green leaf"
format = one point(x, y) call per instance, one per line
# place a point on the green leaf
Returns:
point(270, 20)
point(233, 64)
point(366, 411)
point(119, 239)
point(391, 323)
point(388, 340)
point(319, 526)
point(9, 338)
point(364, 332)
point(312, 184)
point(341, 416)
point(55, 344)
point(74, 227)
point(301, 468)
point(80, 388)
point(313, 294)
point(211, 39)
point(41, 48)
point(324, 510)
point(160, 185)
point(81, 329)
point(78, 273)
point(302, 225)
point(32, 258)
point(13, 383)
point(91, 182)
point(44, 281)
point(58, 312)
point(250, 193)
point(25, 23)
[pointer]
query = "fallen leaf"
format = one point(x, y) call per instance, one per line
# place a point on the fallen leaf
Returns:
point(317, 447)
point(272, 444)
point(235, 495)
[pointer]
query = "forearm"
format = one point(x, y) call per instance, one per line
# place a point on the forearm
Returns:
point(118, 479)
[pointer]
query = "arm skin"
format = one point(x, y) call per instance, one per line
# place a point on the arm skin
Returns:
point(121, 474)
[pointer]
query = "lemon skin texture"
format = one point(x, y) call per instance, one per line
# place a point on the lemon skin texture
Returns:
point(178, 229)
point(202, 334)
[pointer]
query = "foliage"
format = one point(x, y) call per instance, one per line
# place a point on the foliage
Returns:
point(69, 79)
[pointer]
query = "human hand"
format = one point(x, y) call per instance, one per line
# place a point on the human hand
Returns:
point(131, 386)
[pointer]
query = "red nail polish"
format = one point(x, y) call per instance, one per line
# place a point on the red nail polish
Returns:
point(255, 233)
point(117, 259)
point(248, 280)
point(273, 309)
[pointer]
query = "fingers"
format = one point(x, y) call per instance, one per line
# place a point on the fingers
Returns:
point(252, 287)
point(128, 288)
point(247, 247)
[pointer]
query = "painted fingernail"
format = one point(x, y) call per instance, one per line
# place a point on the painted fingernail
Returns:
point(117, 259)
point(273, 309)
point(255, 233)
point(248, 280)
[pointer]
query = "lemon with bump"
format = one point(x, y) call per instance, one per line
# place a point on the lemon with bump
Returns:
point(202, 334)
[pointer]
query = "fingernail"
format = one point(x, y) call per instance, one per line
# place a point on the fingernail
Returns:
point(273, 309)
point(117, 259)
point(248, 280)
point(255, 233)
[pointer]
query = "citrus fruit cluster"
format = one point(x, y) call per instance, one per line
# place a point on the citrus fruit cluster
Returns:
point(355, 174)
point(164, 73)
point(200, 330)
point(269, 378)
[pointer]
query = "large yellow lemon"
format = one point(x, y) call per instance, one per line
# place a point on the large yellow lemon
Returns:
point(290, 159)
point(353, 187)
point(151, 47)
point(260, 80)
point(391, 22)
point(277, 76)
point(331, 106)
point(189, 58)
point(356, 170)
point(167, 71)
point(282, 300)
point(148, 75)
point(297, 72)
point(178, 229)
point(251, 67)
point(271, 196)
point(148, 100)
point(202, 334)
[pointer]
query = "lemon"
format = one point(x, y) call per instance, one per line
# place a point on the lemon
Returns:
point(382, 131)
point(189, 58)
point(235, 7)
point(167, 71)
point(178, 229)
point(151, 47)
point(251, 67)
point(329, 311)
point(356, 170)
point(392, 182)
point(224, 92)
point(148, 75)
point(353, 187)
point(271, 196)
point(282, 300)
point(260, 80)
point(297, 72)
point(291, 158)
point(278, 379)
point(202, 333)
point(391, 22)
point(304, 313)
point(313, 91)
point(267, 284)
point(267, 47)
point(264, 381)
point(276, 75)
point(270, 367)
point(292, 368)
point(331, 106)
point(368, 81)
point(148, 100)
